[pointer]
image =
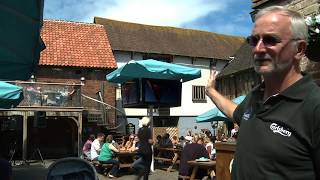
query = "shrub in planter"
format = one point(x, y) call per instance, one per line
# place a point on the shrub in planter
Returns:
point(313, 48)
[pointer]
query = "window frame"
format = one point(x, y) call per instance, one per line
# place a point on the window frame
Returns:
point(199, 94)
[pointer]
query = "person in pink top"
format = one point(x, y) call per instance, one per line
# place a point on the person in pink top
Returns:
point(87, 146)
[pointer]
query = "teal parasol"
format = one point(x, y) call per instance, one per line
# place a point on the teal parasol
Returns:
point(20, 42)
point(215, 114)
point(154, 70)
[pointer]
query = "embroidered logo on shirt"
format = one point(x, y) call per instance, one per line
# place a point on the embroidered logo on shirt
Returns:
point(246, 115)
point(279, 129)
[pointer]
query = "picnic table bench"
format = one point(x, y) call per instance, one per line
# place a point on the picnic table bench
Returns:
point(208, 165)
point(126, 158)
point(170, 155)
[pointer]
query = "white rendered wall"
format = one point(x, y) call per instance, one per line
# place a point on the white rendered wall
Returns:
point(188, 108)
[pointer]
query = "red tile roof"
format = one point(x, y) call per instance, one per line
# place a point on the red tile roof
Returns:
point(76, 44)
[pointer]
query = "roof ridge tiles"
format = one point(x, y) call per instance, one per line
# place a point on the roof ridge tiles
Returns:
point(168, 27)
point(72, 22)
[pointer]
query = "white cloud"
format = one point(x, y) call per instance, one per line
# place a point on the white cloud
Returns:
point(226, 16)
point(159, 12)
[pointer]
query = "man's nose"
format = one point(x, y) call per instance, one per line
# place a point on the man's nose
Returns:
point(260, 46)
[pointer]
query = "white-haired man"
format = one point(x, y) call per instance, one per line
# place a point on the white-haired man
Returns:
point(145, 149)
point(279, 135)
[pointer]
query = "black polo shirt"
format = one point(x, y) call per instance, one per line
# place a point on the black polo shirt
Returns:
point(279, 138)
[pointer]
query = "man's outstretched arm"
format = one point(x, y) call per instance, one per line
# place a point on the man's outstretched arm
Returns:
point(224, 104)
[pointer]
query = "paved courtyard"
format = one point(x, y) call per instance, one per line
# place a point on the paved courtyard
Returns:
point(38, 171)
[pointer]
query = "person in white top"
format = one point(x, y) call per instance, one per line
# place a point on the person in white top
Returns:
point(210, 147)
point(96, 146)
point(235, 129)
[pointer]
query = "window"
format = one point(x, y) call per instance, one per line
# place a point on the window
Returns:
point(199, 94)
point(159, 57)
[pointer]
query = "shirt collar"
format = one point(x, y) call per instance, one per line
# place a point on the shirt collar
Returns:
point(296, 91)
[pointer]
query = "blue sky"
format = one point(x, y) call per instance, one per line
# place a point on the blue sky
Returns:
point(229, 17)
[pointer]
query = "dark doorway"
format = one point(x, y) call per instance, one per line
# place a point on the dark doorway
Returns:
point(56, 137)
point(11, 136)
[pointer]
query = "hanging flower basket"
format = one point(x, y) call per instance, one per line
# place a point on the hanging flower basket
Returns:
point(313, 48)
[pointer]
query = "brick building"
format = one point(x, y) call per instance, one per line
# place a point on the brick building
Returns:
point(54, 115)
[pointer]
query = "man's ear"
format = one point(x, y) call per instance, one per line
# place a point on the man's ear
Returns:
point(301, 48)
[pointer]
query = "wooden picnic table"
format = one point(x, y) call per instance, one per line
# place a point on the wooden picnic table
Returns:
point(126, 158)
point(166, 151)
point(208, 165)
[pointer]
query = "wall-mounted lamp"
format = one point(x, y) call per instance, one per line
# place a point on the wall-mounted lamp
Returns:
point(33, 78)
point(82, 80)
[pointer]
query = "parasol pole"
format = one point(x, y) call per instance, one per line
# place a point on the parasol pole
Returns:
point(150, 115)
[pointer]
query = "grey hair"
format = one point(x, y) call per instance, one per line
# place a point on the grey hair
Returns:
point(298, 25)
point(145, 121)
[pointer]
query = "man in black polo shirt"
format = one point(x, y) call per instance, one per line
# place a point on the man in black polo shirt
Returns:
point(279, 135)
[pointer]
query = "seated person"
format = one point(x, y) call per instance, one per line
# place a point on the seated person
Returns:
point(96, 146)
point(135, 145)
point(191, 152)
point(182, 142)
point(106, 156)
point(124, 140)
point(166, 141)
point(223, 137)
point(129, 143)
point(157, 145)
point(188, 140)
point(87, 146)
point(210, 147)
point(233, 137)
point(175, 141)
point(201, 141)
point(158, 141)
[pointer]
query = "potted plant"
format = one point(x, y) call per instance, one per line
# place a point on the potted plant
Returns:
point(313, 48)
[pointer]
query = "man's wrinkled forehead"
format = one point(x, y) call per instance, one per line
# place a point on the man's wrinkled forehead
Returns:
point(276, 12)
point(273, 21)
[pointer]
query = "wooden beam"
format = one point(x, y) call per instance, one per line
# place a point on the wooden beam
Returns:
point(25, 137)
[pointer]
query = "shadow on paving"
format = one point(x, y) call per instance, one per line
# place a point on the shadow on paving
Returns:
point(38, 171)
point(158, 174)
point(30, 172)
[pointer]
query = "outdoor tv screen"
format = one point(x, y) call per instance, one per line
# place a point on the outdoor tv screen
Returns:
point(151, 92)
point(161, 93)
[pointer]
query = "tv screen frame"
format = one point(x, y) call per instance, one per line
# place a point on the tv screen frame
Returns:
point(130, 93)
